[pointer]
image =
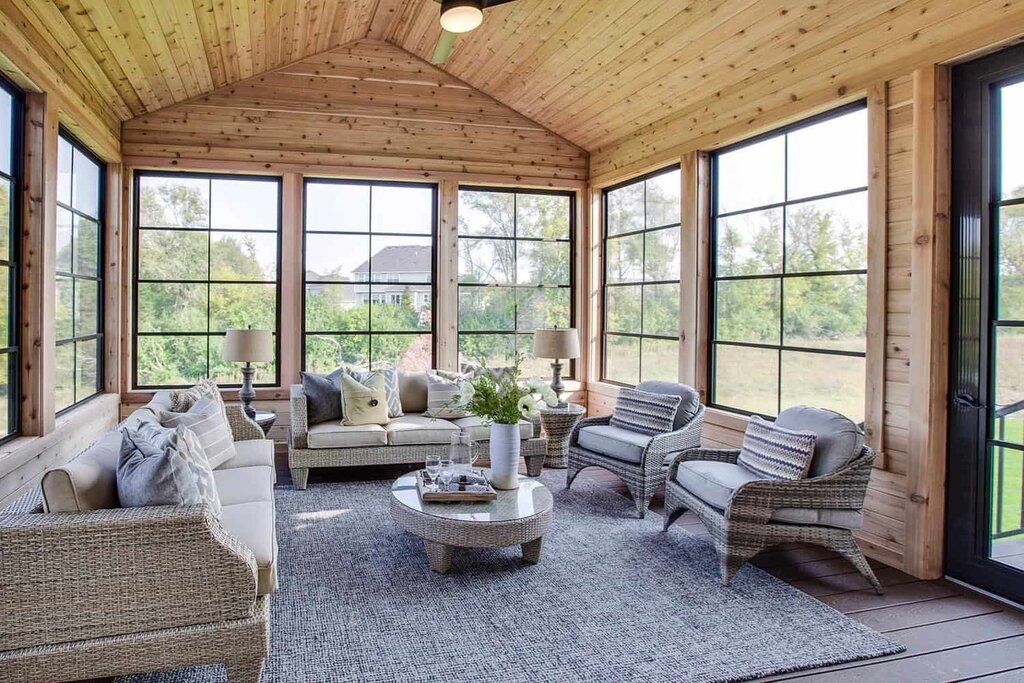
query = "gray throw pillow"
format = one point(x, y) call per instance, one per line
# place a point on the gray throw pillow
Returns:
point(206, 419)
point(323, 396)
point(164, 466)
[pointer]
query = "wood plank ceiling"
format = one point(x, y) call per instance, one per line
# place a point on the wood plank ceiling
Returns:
point(592, 71)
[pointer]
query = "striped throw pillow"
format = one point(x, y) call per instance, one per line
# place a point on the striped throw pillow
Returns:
point(775, 452)
point(645, 412)
point(206, 419)
point(441, 393)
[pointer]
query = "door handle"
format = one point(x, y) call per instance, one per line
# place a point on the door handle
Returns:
point(962, 399)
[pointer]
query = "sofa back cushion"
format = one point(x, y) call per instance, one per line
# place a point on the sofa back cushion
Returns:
point(689, 399)
point(89, 482)
point(412, 389)
point(837, 439)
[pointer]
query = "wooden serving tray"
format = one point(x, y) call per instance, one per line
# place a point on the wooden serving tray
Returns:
point(452, 496)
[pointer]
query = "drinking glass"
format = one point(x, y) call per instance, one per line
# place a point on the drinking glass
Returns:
point(433, 468)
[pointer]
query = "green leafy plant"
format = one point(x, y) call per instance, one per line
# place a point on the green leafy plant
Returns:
point(503, 398)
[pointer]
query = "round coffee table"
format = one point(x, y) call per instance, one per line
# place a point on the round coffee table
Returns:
point(518, 517)
point(558, 424)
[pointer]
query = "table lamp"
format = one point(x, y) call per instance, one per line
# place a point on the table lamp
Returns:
point(557, 343)
point(248, 346)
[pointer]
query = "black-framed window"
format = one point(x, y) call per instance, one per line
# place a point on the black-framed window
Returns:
point(78, 373)
point(515, 272)
point(368, 279)
point(11, 133)
point(641, 279)
point(207, 259)
point(788, 313)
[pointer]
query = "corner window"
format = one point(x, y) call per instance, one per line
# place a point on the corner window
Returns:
point(515, 273)
point(641, 279)
point(789, 268)
point(207, 259)
point(369, 274)
point(78, 373)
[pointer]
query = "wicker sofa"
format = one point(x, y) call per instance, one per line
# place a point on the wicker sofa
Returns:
point(105, 591)
point(404, 440)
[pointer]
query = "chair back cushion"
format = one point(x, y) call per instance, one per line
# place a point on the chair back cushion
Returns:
point(412, 390)
point(323, 396)
point(206, 419)
point(645, 412)
point(689, 402)
point(89, 482)
point(774, 452)
point(838, 440)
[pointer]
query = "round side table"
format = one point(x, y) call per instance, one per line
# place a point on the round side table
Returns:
point(557, 424)
point(265, 419)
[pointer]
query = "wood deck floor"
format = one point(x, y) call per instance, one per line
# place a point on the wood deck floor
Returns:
point(951, 633)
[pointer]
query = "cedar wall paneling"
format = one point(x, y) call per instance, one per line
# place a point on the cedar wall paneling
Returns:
point(884, 534)
point(366, 108)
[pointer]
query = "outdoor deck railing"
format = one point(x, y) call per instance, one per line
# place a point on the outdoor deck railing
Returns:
point(1016, 480)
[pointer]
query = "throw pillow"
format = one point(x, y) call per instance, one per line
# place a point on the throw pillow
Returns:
point(323, 396)
point(365, 404)
point(183, 399)
point(644, 412)
point(441, 394)
point(392, 395)
point(206, 419)
point(775, 452)
point(160, 466)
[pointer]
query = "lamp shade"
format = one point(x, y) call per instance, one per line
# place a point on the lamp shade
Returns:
point(249, 346)
point(561, 342)
point(460, 16)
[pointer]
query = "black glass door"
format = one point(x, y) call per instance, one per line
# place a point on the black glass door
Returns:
point(985, 526)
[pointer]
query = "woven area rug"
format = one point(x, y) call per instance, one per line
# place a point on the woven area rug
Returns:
point(613, 599)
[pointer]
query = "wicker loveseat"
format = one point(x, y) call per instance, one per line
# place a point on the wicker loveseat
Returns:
point(107, 591)
point(404, 440)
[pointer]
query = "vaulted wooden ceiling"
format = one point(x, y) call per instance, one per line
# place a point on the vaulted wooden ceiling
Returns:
point(592, 71)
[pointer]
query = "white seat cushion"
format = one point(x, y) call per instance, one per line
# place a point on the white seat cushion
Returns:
point(715, 483)
point(252, 453)
point(478, 431)
point(253, 525)
point(417, 430)
point(337, 435)
point(614, 442)
point(245, 485)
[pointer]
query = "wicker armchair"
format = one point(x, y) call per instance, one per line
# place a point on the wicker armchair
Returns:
point(641, 478)
point(750, 522)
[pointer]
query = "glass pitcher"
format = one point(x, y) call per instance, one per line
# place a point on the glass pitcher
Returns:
point(461, 453)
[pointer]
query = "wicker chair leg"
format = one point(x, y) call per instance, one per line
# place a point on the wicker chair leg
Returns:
point(732, 559)
point(849, 549)
point(245, 671)
point(300, 476)
point(570, 474)
point(673, 511)
point(641, 497)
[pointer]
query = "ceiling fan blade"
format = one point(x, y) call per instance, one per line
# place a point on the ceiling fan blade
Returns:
point(445, 44)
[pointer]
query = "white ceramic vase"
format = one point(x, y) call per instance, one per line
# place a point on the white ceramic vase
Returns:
point(504, 451)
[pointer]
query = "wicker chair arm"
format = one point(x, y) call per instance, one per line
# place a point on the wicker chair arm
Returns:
point(299, 417)
point(76, 576)
point(587, 422)
point(682, 439)
point(843, 489)
point(728, 455)
point(243, 427)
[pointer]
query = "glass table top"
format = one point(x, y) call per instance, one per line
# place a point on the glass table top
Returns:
point(531, 498)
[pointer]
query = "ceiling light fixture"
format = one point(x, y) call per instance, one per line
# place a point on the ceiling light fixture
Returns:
point(460, 16)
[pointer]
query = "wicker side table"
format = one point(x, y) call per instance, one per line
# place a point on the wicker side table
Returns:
point(557, 424)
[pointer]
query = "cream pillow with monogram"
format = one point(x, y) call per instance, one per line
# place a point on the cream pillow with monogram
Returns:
point(364, 403)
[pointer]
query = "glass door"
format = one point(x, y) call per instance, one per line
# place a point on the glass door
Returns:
point(985, 529)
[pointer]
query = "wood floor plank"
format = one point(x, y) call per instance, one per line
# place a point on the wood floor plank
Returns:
point(903, 594)
point(1008, 676)
point(923, 613)
point(852, 580)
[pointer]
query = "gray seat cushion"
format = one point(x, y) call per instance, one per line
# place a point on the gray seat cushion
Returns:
point(614, 442)
point(838, 440)
point(478, 431)
point(715, 483)
point(688, 405)
point(251, 453)
point(414, 430)
point(336, 435)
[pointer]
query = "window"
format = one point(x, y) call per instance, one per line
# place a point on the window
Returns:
point(369, 274)
point(10, 167)
point(78, 374)
point(641, 279)
point(789, 265)
point(207, 253)
point(515, 273)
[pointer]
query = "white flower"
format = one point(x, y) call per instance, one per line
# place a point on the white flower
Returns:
point(549, 397)
point(466, 393)
point(528, 405)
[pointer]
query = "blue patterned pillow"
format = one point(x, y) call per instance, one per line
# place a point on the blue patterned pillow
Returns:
point(775, 452)
point(644, 412)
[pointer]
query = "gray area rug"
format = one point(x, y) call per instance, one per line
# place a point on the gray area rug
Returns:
point(613, 599)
